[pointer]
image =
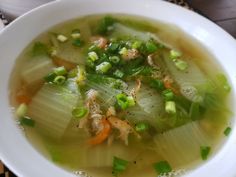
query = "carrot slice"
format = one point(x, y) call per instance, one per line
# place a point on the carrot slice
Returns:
point(102, 135)
point(169, 85)
point(60, 62)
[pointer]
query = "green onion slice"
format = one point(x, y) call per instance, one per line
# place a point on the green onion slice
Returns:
point(21, 110)
point(119, 165)
point(60, 71)
point(205, 150)
point(79, 112)
point(162, 167)
point(59, 80)
point(227, 131)
point(27, 121)
point(141, 127)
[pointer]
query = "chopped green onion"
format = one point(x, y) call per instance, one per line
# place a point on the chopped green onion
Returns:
point(79, 112)
point(81, 75)
point(119, 165)
point(194, 110)
point(205, 150)
point(122, 101)
point(223, 82)
point(123, 51)
point(227, 131)
point(162, 167)
point(131, 101)
point(93, 56)
point(62, 38)
point(27, 121)
point(90, 63)
point(174, 54)
point(170, 107)
point(103, 67)
point(118, 73)
point(50, 77)
point(141, 127)
point(151, 47)
point(75, 34)
point(114, 59)
point(60, 71)
point(168, 95)
point(21, 110)
point(39, 49)
point(181, 65)
point(59, 80)
point(78, 42)
point(105, 25)
point(52, 51)
point(136, 45)
point(72, 73)
point(113, 47)
point(157, 84)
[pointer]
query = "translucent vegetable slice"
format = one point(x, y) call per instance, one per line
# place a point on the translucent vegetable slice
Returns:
point(51, 109)
point(181, 145)
point(36, 69)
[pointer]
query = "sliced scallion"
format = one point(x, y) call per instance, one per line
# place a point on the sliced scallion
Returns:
point(141, 127)
point(123, 51)
point(59, 80)
point(175, 54)
point(162, 167)
point(103, 67)
point(227, 131)
point(122, 101)
point(170, 107)
point(78, 43)
point(60, 71)
point(62, 38)
point(27, 121)
point(151, 47)
point(157, 84)
point(131, 101)
point(118, 73)
point(205, 150)
point(114, 59)
point(79, 112)
point(21, 110)
point(113, 47)
point(119, 165)
point(136, 44)
point(93, 56)
point(194, 110)
point(223, 82)
point(75, 34)
point(50, 77)
point(168, 95)
point(181, 65)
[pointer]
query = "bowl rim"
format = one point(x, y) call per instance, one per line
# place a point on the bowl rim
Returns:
point(226, 152)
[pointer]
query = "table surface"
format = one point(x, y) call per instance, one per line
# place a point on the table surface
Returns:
point(222, 12)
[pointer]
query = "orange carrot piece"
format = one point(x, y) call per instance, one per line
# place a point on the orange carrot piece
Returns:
point(169, 85)
point(102, 135)
point(60, 62)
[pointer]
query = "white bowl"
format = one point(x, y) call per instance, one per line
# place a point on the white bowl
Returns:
point(18, 154)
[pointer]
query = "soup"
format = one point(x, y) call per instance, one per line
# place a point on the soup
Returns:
point(118, 95)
